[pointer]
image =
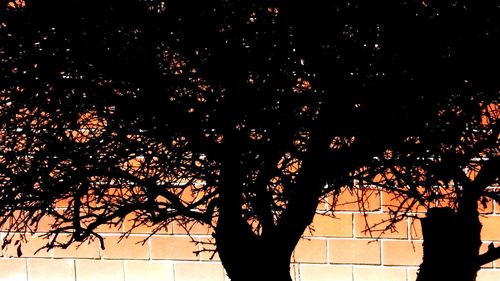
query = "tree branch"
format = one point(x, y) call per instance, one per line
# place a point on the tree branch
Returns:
point(492, 254)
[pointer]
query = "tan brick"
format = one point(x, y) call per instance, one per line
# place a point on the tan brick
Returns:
point(192, 194)
point(367, 199)
point(491, 228)
point(13, 270)
point(488, 275)
point(485, 206)
point(295, 271)
point(89, 249)
point(30, 248)
point(132, 247)
point(92, 270)
point(339, 226)
point(375, 273)
point(192, 228)
point(360, 251)
point(110, 228)
point(416, 229)
point(136, 270)
point(449, 201)
point(322, 204)
point(412, 273)
point(325, 273)
point(198, 272)
point(147, 228)
point(373, 226)
point(310, 251)
point(395, 200)
point(62, 203)
point(207, 248)
point(45, 224)
point(51, 270)
point(402, 252)
point(173, 247)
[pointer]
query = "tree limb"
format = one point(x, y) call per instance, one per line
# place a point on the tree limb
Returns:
point(492, 254)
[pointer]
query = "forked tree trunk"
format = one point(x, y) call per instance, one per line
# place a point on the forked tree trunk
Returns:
point(245, 255)
point(451, 245)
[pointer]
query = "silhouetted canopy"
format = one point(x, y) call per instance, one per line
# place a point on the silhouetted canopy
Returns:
point(183, 110)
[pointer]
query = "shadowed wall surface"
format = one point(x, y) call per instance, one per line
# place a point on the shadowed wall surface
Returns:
point(337, 248)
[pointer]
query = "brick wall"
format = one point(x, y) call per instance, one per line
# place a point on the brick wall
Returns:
point(333, 249)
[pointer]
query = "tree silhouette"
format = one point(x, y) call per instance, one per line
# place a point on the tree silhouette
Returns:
point(233, 114)
point(452, 171)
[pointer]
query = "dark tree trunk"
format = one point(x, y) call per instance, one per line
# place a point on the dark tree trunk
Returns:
point(248, 257)
point(245, 255)
point(451, 245)
point(251, 266)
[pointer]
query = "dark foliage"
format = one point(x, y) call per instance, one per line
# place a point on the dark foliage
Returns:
point(236, 114)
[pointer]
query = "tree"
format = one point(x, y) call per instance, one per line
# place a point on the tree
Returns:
point(452, 171)
point(237, 115)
